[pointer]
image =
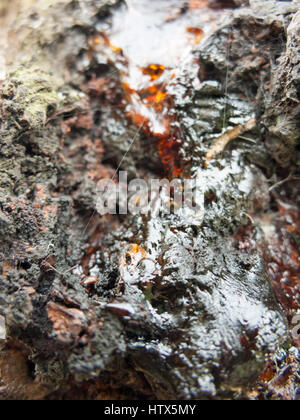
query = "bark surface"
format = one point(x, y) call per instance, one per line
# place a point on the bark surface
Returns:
point(166, 306)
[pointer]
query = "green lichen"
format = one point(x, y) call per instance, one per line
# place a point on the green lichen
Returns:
point(33, 90)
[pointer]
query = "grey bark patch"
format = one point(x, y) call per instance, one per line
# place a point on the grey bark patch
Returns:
point(2, 328)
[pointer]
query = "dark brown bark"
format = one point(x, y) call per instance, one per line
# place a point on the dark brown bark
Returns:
point(213, 319)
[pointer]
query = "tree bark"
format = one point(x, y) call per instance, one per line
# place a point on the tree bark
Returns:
point(81, 315)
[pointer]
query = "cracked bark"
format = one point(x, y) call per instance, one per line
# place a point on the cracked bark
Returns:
point(211, 326)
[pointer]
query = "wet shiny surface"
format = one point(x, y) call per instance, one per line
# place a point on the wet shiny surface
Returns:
point(166, 306)
point(148, 43)
point(188, 285)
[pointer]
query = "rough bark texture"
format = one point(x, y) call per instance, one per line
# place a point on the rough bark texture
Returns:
point(209, 317)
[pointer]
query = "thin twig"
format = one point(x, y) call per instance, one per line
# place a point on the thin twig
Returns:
point(71, 269)
point(222, 141)
point(289, 178)
point(249, 217)
point(51, 267)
